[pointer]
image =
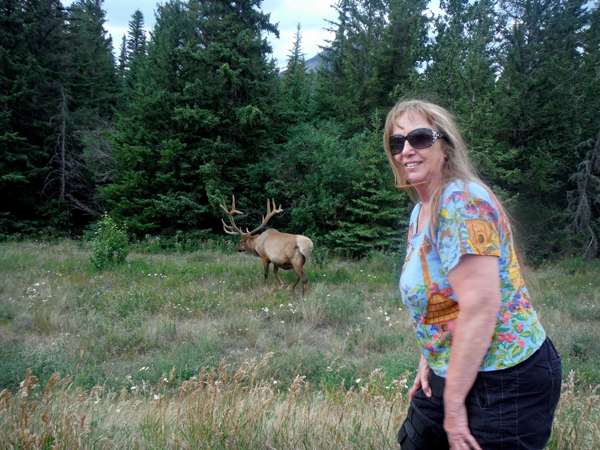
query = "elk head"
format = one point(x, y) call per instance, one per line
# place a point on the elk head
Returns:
point(247, 238)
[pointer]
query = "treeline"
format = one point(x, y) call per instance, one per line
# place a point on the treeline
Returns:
point(196, 111)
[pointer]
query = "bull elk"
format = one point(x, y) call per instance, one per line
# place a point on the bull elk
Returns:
point(285, 251)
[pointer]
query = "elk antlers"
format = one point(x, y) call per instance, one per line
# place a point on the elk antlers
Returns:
point(233, 229)
point(233, 211)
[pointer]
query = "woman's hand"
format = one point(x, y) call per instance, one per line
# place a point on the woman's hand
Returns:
point(476, 284)
point(456, 425)
point(421, 380)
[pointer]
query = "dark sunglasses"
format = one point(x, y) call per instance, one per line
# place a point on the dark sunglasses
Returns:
point(419, 138)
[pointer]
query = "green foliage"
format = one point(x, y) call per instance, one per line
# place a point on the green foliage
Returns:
point(377, 213)
point(198, 114)
point(194, 112)
point(110, 244)
point(376, 47)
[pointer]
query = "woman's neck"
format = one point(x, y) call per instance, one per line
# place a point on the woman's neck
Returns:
point(426, 194)
point(423, 218)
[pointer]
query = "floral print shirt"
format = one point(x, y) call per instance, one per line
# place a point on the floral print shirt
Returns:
point(470, 221)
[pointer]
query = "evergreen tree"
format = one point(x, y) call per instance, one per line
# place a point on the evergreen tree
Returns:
point(297, 83)
point(541, 111)
point(403, 49)
point(348, 73)
point(199, 115)
point(378, 215)
point(87, 100)
point(33, 64)
point(93, 81)
point(462, 71)
point(134, 55)
point(122, 61)
point(376, 47)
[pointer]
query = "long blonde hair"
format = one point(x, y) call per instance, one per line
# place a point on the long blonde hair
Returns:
point(458, 165)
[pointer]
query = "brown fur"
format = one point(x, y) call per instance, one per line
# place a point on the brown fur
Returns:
point(285, 251)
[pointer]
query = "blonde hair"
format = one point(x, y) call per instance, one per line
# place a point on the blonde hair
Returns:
point(458, 165)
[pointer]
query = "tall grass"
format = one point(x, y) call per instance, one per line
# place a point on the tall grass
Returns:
point(195, 350)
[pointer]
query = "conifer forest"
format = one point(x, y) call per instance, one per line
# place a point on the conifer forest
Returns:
point(159, 133)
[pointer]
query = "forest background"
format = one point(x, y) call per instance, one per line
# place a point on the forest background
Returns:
point(196, 111)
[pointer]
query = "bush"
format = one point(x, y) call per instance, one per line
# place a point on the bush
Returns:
point(110, 244)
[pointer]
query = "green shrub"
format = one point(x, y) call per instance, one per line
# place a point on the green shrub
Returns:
point(110, 244)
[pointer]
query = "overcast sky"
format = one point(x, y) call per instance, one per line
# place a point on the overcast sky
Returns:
point(311, 14)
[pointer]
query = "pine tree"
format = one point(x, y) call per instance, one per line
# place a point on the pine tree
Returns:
point(376, 47)
point(541, 111)
point(134, 55)
point(33, 63)
point(198, 116)
point(378, 215)
point(93, 80)
point(296, 82)
point(403, 50)
point(122, 62)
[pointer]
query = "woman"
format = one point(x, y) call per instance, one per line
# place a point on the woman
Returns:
point(488, 376)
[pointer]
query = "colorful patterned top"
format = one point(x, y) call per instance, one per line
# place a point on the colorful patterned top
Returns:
point(470, 222)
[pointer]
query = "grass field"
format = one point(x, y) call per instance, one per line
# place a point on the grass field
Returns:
point(194, 350)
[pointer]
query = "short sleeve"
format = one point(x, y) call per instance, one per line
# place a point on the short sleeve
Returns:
point(468, 224)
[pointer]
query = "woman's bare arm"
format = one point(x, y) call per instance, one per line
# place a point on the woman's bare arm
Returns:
point(475, 282)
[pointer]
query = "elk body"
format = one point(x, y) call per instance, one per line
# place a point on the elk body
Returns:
point(285, 251)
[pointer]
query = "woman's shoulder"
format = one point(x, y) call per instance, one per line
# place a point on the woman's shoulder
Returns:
point(459, 190)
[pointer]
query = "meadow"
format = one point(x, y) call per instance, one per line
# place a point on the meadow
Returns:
point(190, 348)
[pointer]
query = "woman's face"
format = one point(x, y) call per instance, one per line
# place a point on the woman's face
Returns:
point(423, 165)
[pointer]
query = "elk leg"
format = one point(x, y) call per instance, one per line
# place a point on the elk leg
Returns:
point(266, 266)
point(299, 268)
point(275, 269)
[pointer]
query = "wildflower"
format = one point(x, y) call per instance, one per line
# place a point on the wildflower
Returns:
point(358, 380)
point(156, 397)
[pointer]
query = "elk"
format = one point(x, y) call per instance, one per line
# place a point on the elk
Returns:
point(285, 251)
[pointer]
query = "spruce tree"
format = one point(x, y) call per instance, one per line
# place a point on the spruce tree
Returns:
point(33, 63)
point(541, 111)
point(378, 214)
point(297, 83)
point(200, 114)
point(93, 81)
point(134, 54)
point(376, 46)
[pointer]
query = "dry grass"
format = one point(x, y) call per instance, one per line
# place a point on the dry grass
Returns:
point(333, 376)
point(220, 408)
point(224, 408)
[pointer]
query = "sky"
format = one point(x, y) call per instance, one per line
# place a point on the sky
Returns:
point(311, 14)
